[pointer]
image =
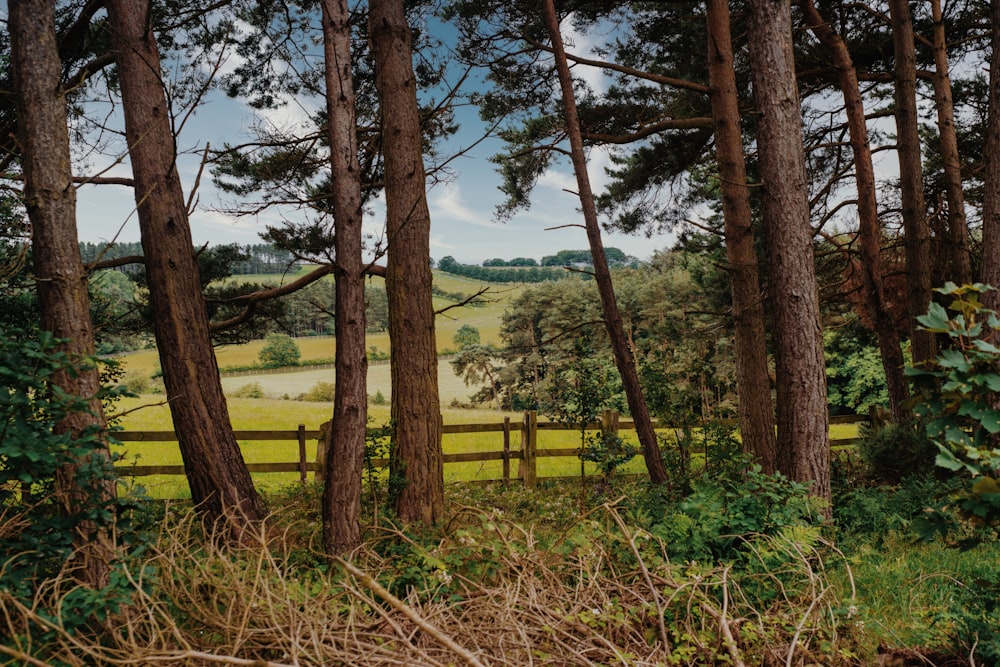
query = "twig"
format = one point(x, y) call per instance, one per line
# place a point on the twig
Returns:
point(397, 604)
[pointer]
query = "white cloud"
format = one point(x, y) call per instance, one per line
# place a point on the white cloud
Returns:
point(583, 45)
point(447, 206)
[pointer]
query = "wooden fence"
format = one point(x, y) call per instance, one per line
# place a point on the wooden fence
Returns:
point(526, 452)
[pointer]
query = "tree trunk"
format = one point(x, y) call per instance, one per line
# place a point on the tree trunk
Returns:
point(991, 172)
point(416, 459)
point(50, 199)
point(602, 274)
point(221, 486)
point(802, 419)
point(346, 436)
point(958, 229)
point(756, 411)
point(911, 179)
point(869, 228)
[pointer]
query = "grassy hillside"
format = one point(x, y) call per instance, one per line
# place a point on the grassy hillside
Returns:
point(486, 318)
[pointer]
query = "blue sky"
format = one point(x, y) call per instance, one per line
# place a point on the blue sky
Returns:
point(461, 210)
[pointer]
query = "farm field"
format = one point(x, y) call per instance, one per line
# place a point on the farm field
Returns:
point(486, 319)
point(149, 413)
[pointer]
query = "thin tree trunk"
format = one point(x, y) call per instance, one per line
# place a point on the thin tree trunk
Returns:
point(958, 228)
point(221, 486)
point(911, 179)
point(991, 172)
point(802, 418)
point(346, 436)
point(416, 460)
point(50, 200)
point(756, 410)
point(869, 228)
point(602, 275)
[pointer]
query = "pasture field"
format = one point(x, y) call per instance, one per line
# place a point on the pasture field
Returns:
point(149, 413)
point(486, 318)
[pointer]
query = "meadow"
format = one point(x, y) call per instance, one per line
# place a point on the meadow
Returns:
point(280, 409)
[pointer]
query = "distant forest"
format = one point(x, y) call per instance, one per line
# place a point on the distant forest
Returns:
point(529, 270)
point(257, 258)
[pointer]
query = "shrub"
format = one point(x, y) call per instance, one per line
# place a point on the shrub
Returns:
point(37, 530)
point(321, 392)
point(251, 390)
point(894, 451)
point(959, 394)
point(279, 350)
point(136, 382)
point(726, 513)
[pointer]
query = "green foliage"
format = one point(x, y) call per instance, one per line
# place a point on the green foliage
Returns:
point(38, 530)
point(136, 381)
point(609, 451)
point(321, 392)
point(378, 446)
point(532, 274)
point(279, 350)
point(873, 512)
point(579, 391)
point(249, 390)
point(725, 514)
point(894, 451)
point(855, 377)
point(465, 336)
point(959, 394)
point(379, 398)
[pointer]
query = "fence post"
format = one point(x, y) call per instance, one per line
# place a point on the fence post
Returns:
point(609, 422)
point(303, 476)
point(529, 448)
point(506, 451)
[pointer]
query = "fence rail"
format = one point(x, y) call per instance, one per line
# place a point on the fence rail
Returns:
point(526, 453)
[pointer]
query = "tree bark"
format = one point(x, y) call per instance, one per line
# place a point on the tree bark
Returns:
point(346, 435)
point(50, 200)
point(869, 228)
point(911, 179)
point(991, 173)
point(756, 410)
point(958, 228)
point(802, 419)
point(602, 274)
point(416, 462)
point(221, 486)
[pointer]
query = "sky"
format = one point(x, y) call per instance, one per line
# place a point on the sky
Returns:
point(462, 210)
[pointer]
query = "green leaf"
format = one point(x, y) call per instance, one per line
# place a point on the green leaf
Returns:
point(954, 359)
point(946, 459)
point(936, 318)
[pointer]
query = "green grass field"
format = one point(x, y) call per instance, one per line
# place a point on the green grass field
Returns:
point(486, 318)
point(278, 412)
point(148, 413)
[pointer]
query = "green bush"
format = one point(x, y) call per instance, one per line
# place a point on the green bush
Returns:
point(321, 392)
point(894, 451)
point(724, 514)
point(37, 530)
point(959, 392)
point(136, 382)
point(279, 350)
point(251, 390)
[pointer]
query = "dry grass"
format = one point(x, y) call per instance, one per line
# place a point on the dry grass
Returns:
point(601, 594)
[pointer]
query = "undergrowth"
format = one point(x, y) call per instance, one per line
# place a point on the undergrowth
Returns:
point(738, 573)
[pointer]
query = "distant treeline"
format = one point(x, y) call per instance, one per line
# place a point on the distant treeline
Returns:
point(257, 258)
point(529, 270)
point(534, 274)
point(616, 259)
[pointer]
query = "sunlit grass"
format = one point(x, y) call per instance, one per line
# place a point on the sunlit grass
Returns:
point(274, 414)
point(486, 318)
